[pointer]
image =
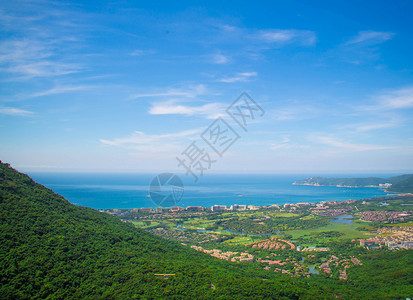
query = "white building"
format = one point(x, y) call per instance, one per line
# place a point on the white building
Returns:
point(218, 207)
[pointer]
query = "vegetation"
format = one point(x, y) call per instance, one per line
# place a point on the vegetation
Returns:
point(52, 249)
point(403, 186)
point(271, 225)
point(400, 184)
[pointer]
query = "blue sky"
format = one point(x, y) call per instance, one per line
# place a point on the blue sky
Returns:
point(128, 86)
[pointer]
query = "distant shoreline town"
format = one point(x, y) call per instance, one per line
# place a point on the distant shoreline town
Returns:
point(372, 211)
point(316, 207)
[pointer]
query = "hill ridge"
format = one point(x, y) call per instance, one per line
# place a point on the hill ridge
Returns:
point(50, 248)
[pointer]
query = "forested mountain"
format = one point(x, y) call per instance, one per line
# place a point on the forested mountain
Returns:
point(400, 184)
point(403, 184)
point(50, 248)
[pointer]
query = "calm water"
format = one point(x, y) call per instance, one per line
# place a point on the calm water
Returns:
point(346, 219)
point(101, 191)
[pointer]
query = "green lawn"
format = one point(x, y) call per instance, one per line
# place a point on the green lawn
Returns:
point(349, 230)
point(141, 224)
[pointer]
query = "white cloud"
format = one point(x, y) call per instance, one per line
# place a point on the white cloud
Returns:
point(220, 59)
point(287, 36)
point(297, 111)
point(210, 110)
point(62, 90)
point(12, 111)
point(362, 48)
point(154, 143)
point(228, 28)
point(330, 141)
point(240, 77)
point(370, 37)
point(286, 143)
point(35, 57)
point(400, 98)
point(191, 92)
point(374, 126)
point(140, 52)
point(38, 39)
point(283, 144)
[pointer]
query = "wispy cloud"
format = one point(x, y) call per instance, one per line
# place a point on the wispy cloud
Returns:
point(286, 36)
point(220, 59)
point(285, 143)
point(141, 52)
point(239, 77)
point(365, 127)
point(370, 38)
point(63, 89)
point(156, 143)
point(400, 98)
point(210, 110)
point(361, 48)
point(33, 58)
point(295, 111)
point(12, 111)
point(190, 92)
point(38, 39)
point(333, 142)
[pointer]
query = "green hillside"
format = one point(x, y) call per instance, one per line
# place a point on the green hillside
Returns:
point(402, 184)
point(52, 249)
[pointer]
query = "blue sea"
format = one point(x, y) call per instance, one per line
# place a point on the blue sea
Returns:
point(103, 191)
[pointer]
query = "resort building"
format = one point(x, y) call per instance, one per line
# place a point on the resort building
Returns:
point(177, 208)
point(195, 208)
point(238, 207)
point(369, 242)
point(159, 209)
point(146, 209)
point(218, 207)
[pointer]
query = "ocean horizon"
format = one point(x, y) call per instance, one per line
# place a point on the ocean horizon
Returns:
point(127, 191)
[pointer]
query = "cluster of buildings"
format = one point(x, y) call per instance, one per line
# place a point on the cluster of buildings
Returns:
point(336, 262)
point(381, 216)
point(272, 262)
point(272, 243)
point(332, 212)
point(396, 237)
point(313, 249)
point(289, 206)
point(393, 237)
point(234, 207)
point(385, 185)
point(369, 243)
point(243, 257)
point(196, 208)
point(172, 209)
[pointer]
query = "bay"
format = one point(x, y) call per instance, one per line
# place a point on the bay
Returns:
point(104, 190)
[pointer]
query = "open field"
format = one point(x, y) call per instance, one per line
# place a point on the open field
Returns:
point(348, 231)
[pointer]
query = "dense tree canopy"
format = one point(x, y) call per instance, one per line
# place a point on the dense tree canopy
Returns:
point(50, 248)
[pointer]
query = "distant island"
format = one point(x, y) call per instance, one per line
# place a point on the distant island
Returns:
point(395, 184)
